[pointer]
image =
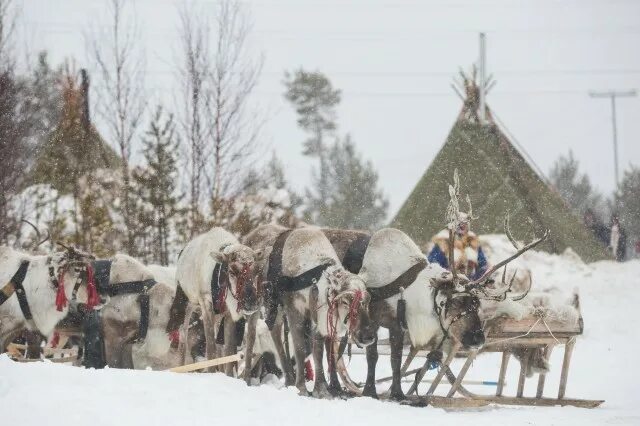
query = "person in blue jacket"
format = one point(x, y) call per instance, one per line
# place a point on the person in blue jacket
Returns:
point(468, 256)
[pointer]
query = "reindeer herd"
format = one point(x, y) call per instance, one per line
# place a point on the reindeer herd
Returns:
point(319, 288)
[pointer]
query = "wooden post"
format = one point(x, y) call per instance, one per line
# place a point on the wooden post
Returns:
point(407, 361)
point(436, 380)
point(523, 375)
point(543, 376)
point(568, 350)
point(462, 373)
point(503, 371)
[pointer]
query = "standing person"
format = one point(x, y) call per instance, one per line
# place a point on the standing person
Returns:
point(596, 226)
point(618, 239)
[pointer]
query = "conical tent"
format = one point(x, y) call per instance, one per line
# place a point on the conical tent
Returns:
point(499, 181)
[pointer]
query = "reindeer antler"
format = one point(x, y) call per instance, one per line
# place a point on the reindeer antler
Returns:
point(39, 243)
point(512, 257)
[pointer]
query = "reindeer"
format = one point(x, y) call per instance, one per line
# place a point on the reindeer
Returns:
point(216, 273)
point(37, 289)
point(134, 315)
point(305, 277)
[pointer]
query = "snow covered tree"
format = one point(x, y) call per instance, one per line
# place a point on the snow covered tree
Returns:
point(355, 201)
point(157, 186)
point(574, 187)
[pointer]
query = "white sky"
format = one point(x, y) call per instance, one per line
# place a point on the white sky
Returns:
point(394, 61)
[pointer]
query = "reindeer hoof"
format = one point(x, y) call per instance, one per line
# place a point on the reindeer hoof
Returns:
point(370, 391)
point(339, 392)
point(321, 392)
point(397, 396)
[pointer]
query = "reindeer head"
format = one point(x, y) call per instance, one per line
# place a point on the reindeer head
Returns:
point(457, 309)
point(243, 282)
point(348, 302)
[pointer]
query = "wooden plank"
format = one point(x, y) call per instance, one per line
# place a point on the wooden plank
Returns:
point(455, 403)
point(542, 402)
point(54, 360)
point(441, 371)
point(461, 374)
point(205, 364)
point(568, 350)
point(542, 377)
point(503, 372)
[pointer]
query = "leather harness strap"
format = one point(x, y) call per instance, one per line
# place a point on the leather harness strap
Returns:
point(354, 255)
point(274, 271)
point(219, 281)
point(403, 281)
point(102, 275)
point(15, 286)
point(302, 281)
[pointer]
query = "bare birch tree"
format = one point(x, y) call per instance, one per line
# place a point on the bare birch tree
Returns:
point(218, 73)
point(8, 17)
point(121, 101)
point(235, 126)
point(193, 67)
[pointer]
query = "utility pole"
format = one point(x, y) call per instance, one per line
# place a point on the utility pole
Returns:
point(482, 114)
point(613, 95)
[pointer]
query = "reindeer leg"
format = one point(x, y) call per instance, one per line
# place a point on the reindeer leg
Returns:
point(396, 340)
point(249, 343)
point(334, 382)
point(209, 332)
point(372, 359)
point(296, 327)
point(320, 388)
point(230, 346)
point(276, 335)
point(126, 356)
point(183, 345)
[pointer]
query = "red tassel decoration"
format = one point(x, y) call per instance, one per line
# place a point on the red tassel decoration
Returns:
point(308, 371)
point(61, 297)
point(92, 292)
point(174, 337)
point(55, 340)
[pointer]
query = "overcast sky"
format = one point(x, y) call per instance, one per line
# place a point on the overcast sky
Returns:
point(395, 60)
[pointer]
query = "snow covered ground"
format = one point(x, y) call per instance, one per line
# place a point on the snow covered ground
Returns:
point(604, 366)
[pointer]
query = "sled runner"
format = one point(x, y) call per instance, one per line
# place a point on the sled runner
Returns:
point(504, 335)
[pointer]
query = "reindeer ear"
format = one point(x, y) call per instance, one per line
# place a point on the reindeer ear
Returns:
point(219, 257)
point(442, 281)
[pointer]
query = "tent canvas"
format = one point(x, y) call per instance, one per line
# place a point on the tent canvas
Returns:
point(498, 181)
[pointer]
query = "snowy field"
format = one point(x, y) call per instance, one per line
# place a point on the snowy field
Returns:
point(604, 366)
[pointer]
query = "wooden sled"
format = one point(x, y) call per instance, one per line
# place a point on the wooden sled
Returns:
point(503, 335)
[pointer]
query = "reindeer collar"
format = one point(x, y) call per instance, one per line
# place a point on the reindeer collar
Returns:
point(15, 286)
point(396, 286)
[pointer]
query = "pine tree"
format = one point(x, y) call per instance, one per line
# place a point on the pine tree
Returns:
point(157, 185)
point(627, 202)
point(315, 101)
point(574, 187)
point(355, 202)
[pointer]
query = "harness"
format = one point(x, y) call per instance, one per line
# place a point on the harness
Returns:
point(15, 286)
point(354, 255)
point(439, 309)
point(102, 272)
point(277, 283)
point(219, 282)
point(398, 286)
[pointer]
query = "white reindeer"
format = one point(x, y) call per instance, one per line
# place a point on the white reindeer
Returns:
point(234, 263)
point(50, 282)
